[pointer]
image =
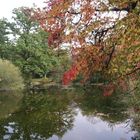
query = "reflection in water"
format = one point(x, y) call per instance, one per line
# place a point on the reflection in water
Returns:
point(84, 130)
point(73, 114)
point(136, 125)
point(110, 109)
point(40, 117)
point(9, 102)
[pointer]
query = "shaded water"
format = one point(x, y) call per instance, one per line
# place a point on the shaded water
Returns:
point(65, 114)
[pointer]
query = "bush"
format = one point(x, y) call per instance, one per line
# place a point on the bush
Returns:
point(10, 77)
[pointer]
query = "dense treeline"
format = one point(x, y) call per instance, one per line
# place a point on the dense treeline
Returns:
point(24, 43)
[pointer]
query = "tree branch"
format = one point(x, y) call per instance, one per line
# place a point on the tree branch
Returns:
point(131, 6)
point(110, 56)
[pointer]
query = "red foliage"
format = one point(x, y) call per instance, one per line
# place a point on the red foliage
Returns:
point(70, 75)
point(108, 90)
point(54, 39)
point(90, 46)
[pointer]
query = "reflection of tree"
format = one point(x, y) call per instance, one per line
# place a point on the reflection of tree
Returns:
point(133, 102)
point(40, 117)
point(136, 124)
point(94, 104)
point(9, 102)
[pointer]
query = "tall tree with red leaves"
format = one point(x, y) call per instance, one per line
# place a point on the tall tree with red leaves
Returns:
point(104, 36)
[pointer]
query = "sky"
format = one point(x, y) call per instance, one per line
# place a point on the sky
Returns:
point(6, 6)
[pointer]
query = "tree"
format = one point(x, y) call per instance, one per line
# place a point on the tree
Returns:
point(104, 36)
point(29, 49)
point(3, 31)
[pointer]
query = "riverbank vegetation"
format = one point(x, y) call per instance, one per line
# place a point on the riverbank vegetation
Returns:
point(24, 43)
point(83, 51)
point(10, 76)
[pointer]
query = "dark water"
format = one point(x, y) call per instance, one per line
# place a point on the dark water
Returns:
point(60, 114)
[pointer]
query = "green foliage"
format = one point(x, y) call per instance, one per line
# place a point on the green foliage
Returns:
point(63, 62)
point(33, 57)
point(10, 77)
point(3, 31)
point(29, 49)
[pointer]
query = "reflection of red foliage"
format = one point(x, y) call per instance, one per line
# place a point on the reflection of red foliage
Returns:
point(70, 75)
point(123, 84)
point(138, 65)
point(108, 90)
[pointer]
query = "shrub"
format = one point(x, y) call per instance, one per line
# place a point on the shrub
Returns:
point(10, 77)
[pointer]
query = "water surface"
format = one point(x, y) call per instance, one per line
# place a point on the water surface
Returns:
point(64, 114)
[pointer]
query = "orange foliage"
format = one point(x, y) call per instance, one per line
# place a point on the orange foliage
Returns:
point(98, 43)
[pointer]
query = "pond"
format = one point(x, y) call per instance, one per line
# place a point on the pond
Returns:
point(65, 114)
